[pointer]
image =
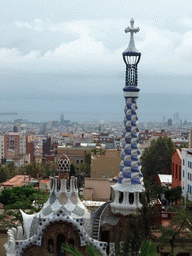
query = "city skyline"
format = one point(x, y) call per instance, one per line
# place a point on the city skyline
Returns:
point(60, 57)
point(104, 108)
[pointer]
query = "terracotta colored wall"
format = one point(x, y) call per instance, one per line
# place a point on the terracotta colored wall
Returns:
point(157, 180)
point(176, 170)
point(30, 149)
point(50, 158)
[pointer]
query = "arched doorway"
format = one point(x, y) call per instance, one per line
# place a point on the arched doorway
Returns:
point(105, 238)
point(60, 242)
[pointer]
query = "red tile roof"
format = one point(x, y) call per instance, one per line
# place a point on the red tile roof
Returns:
point(17, 181)
point(45, 181)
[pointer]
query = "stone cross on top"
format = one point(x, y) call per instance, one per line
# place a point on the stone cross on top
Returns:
point(131, 47)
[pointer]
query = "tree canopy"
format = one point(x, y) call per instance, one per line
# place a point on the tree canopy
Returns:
point(44, 169)
point(173, 194)
point(156, 158)
point(7, 171)
point(178, 229)
point(22, 197)
point(86, 166)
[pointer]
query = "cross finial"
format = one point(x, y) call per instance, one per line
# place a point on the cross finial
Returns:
point(131, 47)
point(132, 29)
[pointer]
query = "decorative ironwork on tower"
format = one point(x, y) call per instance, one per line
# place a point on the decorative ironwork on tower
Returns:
point(130, 179)
point(131, 57)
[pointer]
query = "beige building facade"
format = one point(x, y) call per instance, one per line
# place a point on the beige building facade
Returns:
point(97, 189)
point(106, 166)
point(76, 155)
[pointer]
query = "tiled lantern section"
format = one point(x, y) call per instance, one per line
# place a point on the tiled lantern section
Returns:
point(63, 166)
point(127, 192)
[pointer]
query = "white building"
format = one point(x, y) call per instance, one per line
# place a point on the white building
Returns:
point(186, 180)
point(22, 144)
point(21, 127)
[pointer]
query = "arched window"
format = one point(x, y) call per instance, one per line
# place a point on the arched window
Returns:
point(105, 238)
point(60, 243)
point(120, 197)
point(131, 198)
point(112, 195)
point(140, 198)
point(50, 246)
point(71, 242)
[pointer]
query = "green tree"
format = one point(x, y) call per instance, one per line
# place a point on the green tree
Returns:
point(9, 219)
point(153, 191)
point(148, 249)
point(11, 166)
point(72, 170)
point(94, 150)
point(178, 230)
point(22, 197)
point(173, 194)
point(91, 250)
point(87, 158)
point(86, 166)
point(99, 151)
point(7, 171)
point(156, 159)
point(31, 169)
point(4, 174)
point(44, 169)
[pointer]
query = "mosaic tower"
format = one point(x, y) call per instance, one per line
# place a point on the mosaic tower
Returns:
point(127, 192)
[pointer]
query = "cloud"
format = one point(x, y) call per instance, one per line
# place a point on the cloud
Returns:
point(37, 25)
point(98, 49)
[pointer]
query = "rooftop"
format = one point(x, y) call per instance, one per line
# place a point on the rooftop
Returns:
point(165, 178)
point(45, 181)
point(17, 181)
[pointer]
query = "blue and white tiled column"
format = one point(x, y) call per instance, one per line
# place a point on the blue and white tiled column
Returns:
point(130, 167)
point(130, 179)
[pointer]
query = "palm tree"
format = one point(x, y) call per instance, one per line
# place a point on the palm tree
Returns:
point(147, 249)
point(91, 250)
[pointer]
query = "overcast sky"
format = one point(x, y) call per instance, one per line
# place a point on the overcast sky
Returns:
point(50, 49)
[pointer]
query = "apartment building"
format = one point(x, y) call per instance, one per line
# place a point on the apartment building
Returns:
point(13, 141)
point(186, 180)
point(1, 146)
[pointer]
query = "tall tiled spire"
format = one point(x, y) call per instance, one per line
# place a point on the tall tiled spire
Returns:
point(130, 179)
